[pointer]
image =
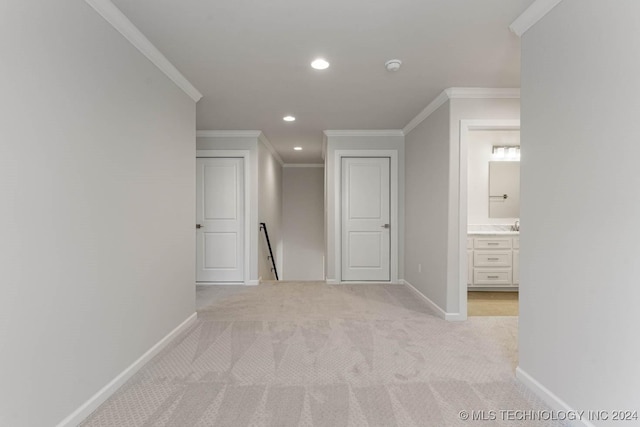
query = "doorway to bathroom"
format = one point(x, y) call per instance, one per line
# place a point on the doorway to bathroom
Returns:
point(489, 217)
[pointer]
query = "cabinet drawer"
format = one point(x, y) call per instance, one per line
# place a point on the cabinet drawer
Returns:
point(469, 242)
point(492, 243)
point(491, 277)
point(492, 259)
point(516, 243)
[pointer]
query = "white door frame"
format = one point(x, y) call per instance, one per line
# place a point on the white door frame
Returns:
point(337, 214)
point(246, 157)
point(467, 126)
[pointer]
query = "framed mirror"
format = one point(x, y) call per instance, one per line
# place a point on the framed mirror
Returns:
point(504, 189)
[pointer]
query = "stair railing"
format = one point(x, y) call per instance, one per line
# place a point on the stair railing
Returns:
point(263, 226)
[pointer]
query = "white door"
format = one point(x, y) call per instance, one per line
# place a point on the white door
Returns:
point(220, 220)
point(366, 227)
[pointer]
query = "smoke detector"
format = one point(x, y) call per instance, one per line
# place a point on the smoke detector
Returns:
point(393, 64)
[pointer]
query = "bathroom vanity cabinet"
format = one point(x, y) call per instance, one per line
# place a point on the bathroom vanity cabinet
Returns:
point(493, 260)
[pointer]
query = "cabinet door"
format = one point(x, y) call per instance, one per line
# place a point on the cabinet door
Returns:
point(516, 267)
point(469, 267)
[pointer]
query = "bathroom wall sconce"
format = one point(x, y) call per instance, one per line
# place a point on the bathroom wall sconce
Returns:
point(508, 153)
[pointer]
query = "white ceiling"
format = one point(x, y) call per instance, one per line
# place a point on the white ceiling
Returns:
point(250, 59)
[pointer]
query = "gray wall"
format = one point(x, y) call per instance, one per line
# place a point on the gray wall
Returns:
point(270, 211)
point(303, 223)
point(426, 210)
point(432, 194)
point(580, 206)
point(97, 151)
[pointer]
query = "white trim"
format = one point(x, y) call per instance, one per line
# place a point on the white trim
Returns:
point(369, 282)
point(332, 282)
point(246, 155)
point(263, 138)
point(220, 283)
point(460, 93)
point(303, 165)
point(452, 317)
point(124, 26)
point(242, 134)
point(532, 15)
point(222, 153)
point(228, 133)
point(77, 416)
point(428, 110)
point(382, 132)
point(395, 224)
point(253, 282)
point(325, 141)
point(483, 93)
point(549, 397)
point(465, 127)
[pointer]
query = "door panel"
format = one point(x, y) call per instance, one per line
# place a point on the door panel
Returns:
point(221, 192)
point(221, 250)
point(365, 218)
point(365, 249)
point(220, 213)
point(364, 189)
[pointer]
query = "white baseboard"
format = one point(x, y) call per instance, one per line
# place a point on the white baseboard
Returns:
point(368, 282)
point(452, 317)
point(101, 396)
point(554, 402)
point(252, 282)
point(455, 317)
point(219, 283)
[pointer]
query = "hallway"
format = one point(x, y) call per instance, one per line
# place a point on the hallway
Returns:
point(311, 354)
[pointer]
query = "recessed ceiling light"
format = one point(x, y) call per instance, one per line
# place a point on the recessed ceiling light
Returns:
point(320, 64)
point(289, 118)
point(297, 148)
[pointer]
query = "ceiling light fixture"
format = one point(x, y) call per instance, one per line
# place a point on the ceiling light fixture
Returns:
point(393, 64)
point(506, 153)
point(289, 119)
point(297, 148)
point(320, 64)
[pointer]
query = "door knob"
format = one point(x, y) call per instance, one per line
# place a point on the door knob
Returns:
point(386, 226)
point(199, 226)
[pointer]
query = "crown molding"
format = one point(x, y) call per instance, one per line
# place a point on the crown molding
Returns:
point(429, 109)
point(460, 93)
point(263, 138)
point(532, 15)
point(303, 165)
point(242, 134)
point(383, 132)
point(482, 93)
point(124, 26)
point(228, 133)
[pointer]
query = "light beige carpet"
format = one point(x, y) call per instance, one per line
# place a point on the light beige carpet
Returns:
point(481, 303)
point(311, 354)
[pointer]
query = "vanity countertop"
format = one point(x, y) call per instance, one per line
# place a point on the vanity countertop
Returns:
point(493, 233)
point(491, 230)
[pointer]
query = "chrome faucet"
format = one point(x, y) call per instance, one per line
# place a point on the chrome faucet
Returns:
point(516, 226)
